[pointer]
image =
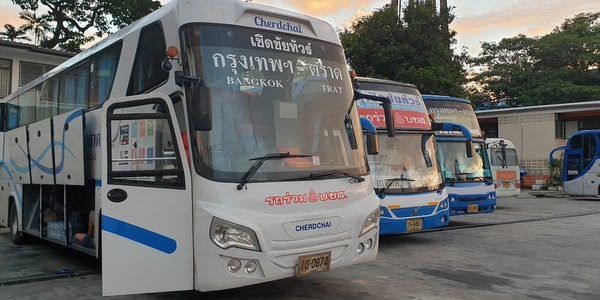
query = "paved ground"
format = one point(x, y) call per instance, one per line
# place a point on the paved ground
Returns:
point(540, 245)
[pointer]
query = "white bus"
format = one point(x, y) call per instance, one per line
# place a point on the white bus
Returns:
point(406, 172)
point(504, 164)
point(212, 165)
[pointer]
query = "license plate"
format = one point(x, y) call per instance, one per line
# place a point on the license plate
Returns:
point(472, 208)
point(414, 224)
point(506, 185)
point(319, 262)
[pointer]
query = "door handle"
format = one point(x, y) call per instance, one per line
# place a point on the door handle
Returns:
point(116, 195)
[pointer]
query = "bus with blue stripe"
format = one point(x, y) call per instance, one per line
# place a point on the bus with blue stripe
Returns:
point(579, 170)
point(182, 151)
point(465, 165)
point(406, 172)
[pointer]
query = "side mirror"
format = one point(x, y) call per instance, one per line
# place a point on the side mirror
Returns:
point(389, 118)
point(201, 106)
point(372, 144)
point(470, 149)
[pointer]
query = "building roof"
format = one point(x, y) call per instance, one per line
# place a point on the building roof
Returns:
point(35, 49)
point(561, 108)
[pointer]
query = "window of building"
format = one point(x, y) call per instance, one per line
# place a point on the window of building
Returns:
point(5, 74)
point(31, 71)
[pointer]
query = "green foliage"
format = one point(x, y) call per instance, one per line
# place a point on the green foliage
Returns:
point(72, 20)
point(559, 67)
point(12, 33)
point(413, 50)
point(555, 172)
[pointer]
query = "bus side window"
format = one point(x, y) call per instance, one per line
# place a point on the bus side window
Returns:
point(146, 72)
point(589, 149)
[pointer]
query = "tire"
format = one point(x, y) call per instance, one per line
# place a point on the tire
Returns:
point(16, 236)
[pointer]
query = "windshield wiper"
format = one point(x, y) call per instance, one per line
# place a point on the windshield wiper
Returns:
point(391, 181)
point(260, 160)
point(335, 172)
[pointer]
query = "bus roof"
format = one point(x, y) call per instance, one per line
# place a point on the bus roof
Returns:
point(444, 98)
point(229, 12)
point(384, 81)
point(410, 112)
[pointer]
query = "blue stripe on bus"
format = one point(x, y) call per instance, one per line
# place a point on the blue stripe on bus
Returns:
point(138, 234)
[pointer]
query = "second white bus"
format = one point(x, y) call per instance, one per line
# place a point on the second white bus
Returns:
point(504, 164)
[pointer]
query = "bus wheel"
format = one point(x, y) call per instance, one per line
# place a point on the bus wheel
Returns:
point(16, 236)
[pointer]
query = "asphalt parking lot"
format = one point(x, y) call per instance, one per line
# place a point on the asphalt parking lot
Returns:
point(540, 245)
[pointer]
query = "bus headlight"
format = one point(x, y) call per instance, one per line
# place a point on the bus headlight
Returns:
point(372, 221)
point(226, 235)
point(443, 204)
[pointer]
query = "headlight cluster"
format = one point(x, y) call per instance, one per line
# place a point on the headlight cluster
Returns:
point(226, 235)
point(443, 204)
point(371, 221)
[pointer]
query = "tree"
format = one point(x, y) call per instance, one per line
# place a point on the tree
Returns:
point(415, 49)
point(39, 25)
point(560, 67)
point(12, 33)
point(73, 20)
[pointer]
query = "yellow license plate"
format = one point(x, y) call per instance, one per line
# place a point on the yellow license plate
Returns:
point(319, 262)
point(472, 208)
point(506, 185)
point(414, 224)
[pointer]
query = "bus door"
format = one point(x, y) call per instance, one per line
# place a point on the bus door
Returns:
point(146, 209)
point(590, 165)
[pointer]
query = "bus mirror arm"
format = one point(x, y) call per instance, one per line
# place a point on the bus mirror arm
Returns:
point(561, 148)
point(450, 126)
point(182, 80)
point(387, 109)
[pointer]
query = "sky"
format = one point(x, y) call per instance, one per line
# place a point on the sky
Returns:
point(476, 21)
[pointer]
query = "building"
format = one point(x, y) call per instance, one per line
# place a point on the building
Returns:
point(536, 130)
point(21, 63)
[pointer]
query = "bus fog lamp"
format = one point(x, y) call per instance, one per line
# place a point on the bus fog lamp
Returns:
point(250, 267)
point(443, 220)
point(369, 244)
point(360, 249)
point(234, 265)
point(453, 199)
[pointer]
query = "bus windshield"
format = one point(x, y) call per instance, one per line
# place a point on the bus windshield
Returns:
point(497, 160)
point(454, 112)
point(406, 163)
point(458, 167)
point(272, 93)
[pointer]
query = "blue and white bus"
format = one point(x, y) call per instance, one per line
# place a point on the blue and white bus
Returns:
point(465, 164)
point(580, 173)
point(406, 172)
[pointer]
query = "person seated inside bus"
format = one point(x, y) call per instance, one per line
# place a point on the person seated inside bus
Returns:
point(86, 239)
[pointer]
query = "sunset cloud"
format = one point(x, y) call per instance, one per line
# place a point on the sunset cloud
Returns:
point(476, 21)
